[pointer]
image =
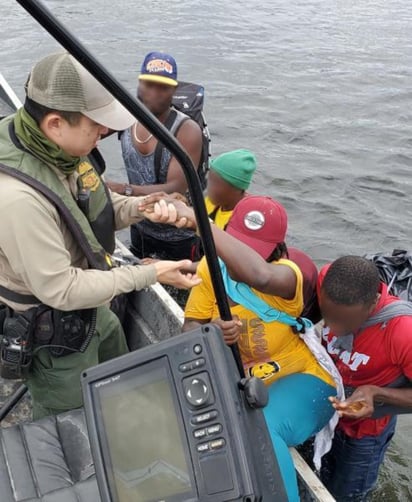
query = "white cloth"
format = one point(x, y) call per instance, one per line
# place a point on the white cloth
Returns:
point(323, 439)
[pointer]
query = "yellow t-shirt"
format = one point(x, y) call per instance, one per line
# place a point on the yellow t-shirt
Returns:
point(221, 218)
point(268, 350)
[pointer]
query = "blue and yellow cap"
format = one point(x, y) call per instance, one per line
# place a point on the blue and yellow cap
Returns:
point(159, 67)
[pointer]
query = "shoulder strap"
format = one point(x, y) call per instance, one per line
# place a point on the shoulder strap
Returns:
point(243, 294)
point(97, 160)
point(179, 125)
point(160, 146)
point(395, 309)
point(71, 222)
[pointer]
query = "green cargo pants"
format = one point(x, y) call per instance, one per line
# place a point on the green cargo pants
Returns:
point(54, 382)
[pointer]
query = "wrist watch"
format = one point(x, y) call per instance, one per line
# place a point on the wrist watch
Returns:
point(128, 190)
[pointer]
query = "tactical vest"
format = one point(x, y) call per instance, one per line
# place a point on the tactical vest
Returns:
point(91, 220)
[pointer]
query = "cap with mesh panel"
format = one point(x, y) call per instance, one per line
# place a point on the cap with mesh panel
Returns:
point(61, 83)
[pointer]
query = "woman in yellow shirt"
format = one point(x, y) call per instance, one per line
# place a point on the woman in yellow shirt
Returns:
point(299, 387)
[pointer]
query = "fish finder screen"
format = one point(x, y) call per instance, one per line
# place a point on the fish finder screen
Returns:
point(144, 453)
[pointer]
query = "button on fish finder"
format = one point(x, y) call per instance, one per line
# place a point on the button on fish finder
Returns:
point(201, 448)
point(217, 444)
point(192, 365)
point(204, 417)
point(214, 429)
point(197, 363)
point(199, 433)
point(185, 367)
point(197, 390)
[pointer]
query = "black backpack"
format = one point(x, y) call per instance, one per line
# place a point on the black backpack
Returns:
point(189, 99)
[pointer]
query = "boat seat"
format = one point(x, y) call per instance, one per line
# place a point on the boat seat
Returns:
point(48, 461)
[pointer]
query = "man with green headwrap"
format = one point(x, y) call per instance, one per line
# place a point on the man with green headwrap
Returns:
point(57, 224)
point(229, 177)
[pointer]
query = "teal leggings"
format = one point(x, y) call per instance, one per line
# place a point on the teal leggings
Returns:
point(298, 408)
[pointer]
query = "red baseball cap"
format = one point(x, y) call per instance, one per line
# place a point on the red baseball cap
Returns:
point(260, 222)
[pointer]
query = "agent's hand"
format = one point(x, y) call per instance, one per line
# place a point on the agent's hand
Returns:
point(170, 272)
point(358, 405)
point(231, 329)
point(172, 211)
